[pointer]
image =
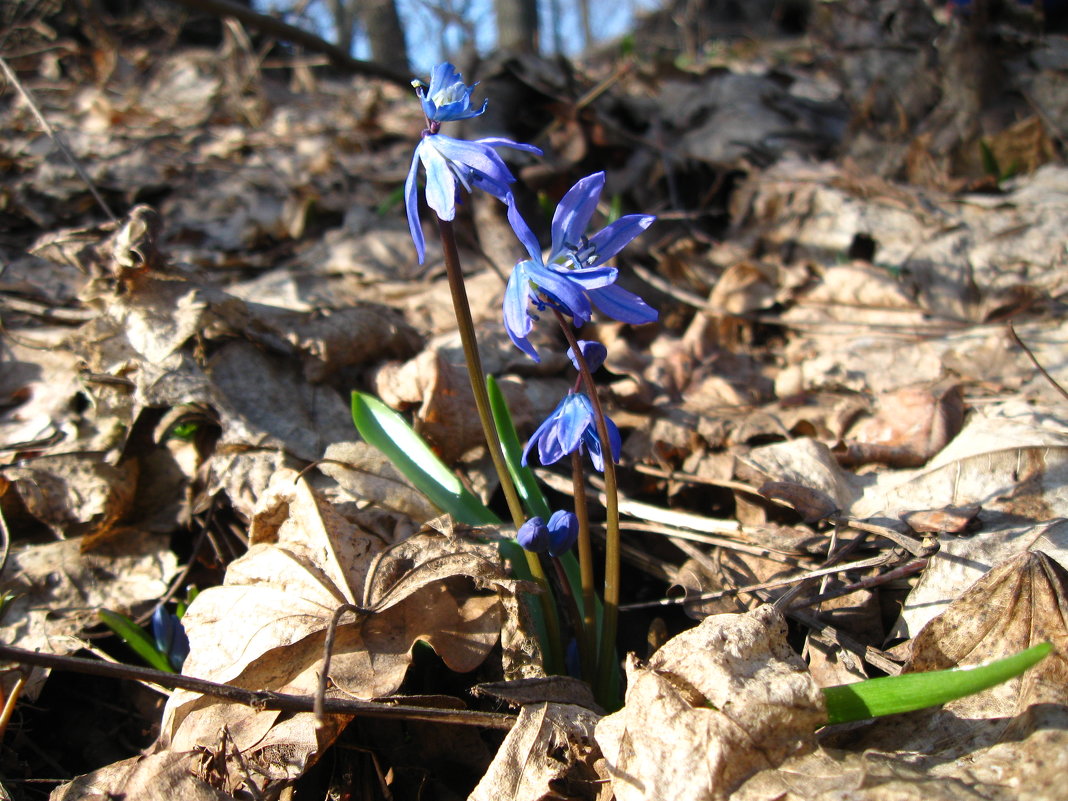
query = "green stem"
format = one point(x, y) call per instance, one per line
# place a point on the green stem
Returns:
point(587, 636)
point(606, 660)
point(553, 660)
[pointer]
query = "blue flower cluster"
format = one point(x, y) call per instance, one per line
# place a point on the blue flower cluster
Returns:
point(573, 278)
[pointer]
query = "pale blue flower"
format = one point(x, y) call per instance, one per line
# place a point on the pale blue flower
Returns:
point(572, 276)
point(447, 98)
point(454, 163)
point(572, 425)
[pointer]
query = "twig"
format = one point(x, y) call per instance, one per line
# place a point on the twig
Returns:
point(54, 136)
point(273, 26)
point(260, 699)
point(1034, 361)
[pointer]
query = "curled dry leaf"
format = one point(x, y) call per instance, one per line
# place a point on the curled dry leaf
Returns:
point(909, 427)
point(550, 752)
point(265, 627)
point(715, 705)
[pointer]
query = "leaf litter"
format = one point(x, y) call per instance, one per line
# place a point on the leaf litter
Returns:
point(832, 377)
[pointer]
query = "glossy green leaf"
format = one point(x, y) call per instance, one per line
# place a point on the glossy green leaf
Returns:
point(136, 637)
point(386, 430)
point(891, 695)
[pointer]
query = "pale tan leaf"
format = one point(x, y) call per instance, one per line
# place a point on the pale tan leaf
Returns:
point(549, 752)
point(694, 714)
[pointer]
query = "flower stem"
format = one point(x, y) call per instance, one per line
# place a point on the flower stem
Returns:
point(606, 660)
point(587, 636)
point(554, 663)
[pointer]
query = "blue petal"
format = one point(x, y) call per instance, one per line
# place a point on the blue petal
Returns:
point(619, 304)
point(523, 232)
point(574, 212)
point(440, 180)
point(533, 535)
point(593, 352)
point(475, 155)
point(497, 141)
point(613, 238)
point(566, 294)
point(592, 277)
point(563, 530)
point(517, 321)
point(576, 417)
point(411, 204)
point(593, 443)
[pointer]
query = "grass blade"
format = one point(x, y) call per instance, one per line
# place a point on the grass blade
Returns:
point(890, 695)
point(136, 637)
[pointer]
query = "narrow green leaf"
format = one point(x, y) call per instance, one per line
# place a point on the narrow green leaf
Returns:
point(135, 636)
point(522, 476)
point(989, 160)
point(891, 695)
point(386, 430)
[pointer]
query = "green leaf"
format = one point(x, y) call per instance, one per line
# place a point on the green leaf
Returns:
point(891, 695)
point(386, 430)
point(135, 636)
point(989, 160)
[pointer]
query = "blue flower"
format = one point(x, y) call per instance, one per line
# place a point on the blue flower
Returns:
point(452, 163)
point(448, 98)
point(592, 351)
point(572, 277)
point(171, 639)
point(572, 425)
point(556, 537)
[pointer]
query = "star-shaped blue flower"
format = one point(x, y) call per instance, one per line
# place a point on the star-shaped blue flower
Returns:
point(572, 276)
point(447, 98)
point(572, 425)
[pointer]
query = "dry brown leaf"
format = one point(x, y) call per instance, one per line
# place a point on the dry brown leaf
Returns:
point(1021, 602)
point(265, 626)
point(910, 425)
point(366, 474)
point(713, 706)
point(58, 589)
point(155, 777)
point(75, 494)
point(550, 752)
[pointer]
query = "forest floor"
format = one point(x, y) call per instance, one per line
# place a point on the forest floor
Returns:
point(860, 268)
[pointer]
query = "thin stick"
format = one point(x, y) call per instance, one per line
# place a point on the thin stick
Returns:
point(57, 140)
point(466, 325)
point(258, 699)
point(1034, 361)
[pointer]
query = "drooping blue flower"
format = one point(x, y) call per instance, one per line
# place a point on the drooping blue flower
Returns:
point(572, 276)
point(447, 98)
point(171, 639)
point(556, 537)
point(572, 425)
point(592, 351)
point(454, 163)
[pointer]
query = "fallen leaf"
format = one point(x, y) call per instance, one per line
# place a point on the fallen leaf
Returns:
point(714, 705)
